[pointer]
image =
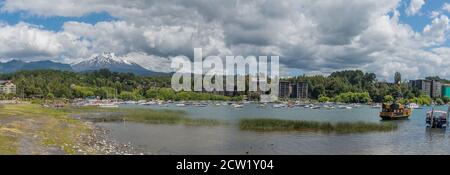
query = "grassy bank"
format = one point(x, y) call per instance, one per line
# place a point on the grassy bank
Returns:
point(149, 116)
point(298, 125)
point(31, 129)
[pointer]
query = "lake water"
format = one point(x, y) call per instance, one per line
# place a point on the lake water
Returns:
point(412, 137)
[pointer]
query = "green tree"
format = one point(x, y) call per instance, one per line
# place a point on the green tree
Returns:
point(397, 77)
point(388, 99)
point(439, 101)
point(151, 93)
point(445, 99)
point(323, 99)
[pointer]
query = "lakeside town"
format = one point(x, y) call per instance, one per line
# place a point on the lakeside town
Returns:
point(293, 92)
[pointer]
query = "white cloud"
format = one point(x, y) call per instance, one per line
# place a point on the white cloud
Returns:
point(31, 42)
point(151, 62)
point(446, 7)
point(314, 36)
point(436, 32)
point(414, 7)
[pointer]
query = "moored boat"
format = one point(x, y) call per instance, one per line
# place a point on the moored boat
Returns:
point(414, 106)
point(395, 111)
point(238, 106)
point(108, 105)
point(437, 119)
point(376, 106)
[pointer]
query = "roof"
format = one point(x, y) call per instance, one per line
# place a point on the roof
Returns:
point(445, 112)
point(3, 82)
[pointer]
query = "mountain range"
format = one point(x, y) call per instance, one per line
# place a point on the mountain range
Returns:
point(102, 61)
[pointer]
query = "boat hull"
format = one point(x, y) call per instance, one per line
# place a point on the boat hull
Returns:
point(394, 117)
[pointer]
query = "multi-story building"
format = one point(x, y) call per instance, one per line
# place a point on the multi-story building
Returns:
point(302, 90)
point(436, 89)
point(446, 90)
point(7, 87)
point(297, 90)
point(422, 85)
point(284, 89)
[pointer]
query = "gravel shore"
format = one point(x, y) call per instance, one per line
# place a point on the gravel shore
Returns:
point(99, 143)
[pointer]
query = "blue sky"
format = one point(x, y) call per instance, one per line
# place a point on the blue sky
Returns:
point(53, 23)
point(419, 21)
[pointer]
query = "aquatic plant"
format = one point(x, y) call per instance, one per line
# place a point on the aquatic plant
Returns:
point(140, 115)
point(299, 125)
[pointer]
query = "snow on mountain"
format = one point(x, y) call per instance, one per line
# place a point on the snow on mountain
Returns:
point(113, 63)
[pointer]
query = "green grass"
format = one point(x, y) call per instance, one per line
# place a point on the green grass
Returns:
point(8, 145)
point(52, 128)
point(298, 125)
point(149, 116)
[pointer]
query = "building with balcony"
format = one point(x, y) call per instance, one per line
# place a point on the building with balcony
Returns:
point(7, 87)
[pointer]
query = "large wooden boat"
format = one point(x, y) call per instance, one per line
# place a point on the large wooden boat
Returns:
point(395, 111)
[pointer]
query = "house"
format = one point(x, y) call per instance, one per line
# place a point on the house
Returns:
point(7, 87)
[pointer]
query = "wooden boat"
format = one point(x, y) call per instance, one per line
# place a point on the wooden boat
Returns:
point(395, 111)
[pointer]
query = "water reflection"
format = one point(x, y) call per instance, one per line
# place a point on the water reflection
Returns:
point(435, 134)
point(411, 137)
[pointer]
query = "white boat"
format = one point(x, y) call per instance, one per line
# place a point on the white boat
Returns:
point(376, 106)
point(180, 105)
point(279, 106)
point(413, 106)
point(108, 105)
point(238, 106)
point(345, 107)
point(315, 107)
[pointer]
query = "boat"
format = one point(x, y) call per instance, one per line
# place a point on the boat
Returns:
point(437, 119)
point(394, 111)
point(414, 106)
point(147, 103)
point(376, 106)
point(180, 105)
point(200, 105)
point(108, 105)
point(279, 106)
point(315, 107)
point(328, 107)
point(237, 106)
point(344, 107)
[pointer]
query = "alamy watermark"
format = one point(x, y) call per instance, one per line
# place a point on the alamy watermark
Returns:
point(236, 72)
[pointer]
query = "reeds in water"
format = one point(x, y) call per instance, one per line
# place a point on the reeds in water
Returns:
point(298, 125)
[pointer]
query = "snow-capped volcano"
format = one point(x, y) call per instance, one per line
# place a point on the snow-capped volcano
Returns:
point(110, 61)
point(105, 58)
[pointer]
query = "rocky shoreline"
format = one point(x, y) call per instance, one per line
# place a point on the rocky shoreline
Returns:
point(99, 142)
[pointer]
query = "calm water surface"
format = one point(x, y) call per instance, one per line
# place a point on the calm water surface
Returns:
point(412, 137)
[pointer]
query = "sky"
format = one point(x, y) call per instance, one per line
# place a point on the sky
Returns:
point(310, 36)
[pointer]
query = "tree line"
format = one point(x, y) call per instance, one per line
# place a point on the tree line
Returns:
point(348, 86)
point(355, 86)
